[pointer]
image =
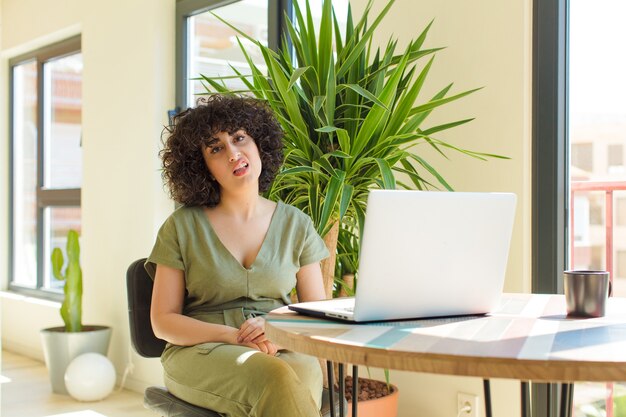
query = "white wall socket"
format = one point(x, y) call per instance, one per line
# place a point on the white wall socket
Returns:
point(464, 400)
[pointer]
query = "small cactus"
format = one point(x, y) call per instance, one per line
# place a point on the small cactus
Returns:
point(71, 309)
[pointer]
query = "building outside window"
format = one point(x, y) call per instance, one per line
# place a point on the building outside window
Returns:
point(620, 213)
point(45, 160)
point(615, 158)
point(582, 157)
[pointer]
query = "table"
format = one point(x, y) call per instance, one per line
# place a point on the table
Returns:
point(528, 338)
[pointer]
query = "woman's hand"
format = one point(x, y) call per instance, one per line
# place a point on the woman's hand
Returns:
point(252, 331)
point(267, 347)
point(252, 334)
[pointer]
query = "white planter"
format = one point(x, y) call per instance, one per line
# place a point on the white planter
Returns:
point(60, 347)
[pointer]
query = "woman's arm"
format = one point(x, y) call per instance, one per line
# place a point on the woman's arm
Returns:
point(310, 283)
point(166, 315)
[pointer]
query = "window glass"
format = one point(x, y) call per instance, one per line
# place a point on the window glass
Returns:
point(597, 122)
point(213, 49)
point(62, 110)
point(24, 177)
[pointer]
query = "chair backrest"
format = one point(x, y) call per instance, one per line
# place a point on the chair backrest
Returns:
point(139, 291)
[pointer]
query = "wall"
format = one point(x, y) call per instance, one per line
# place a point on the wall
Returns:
point(128, 51)
point(128, 86)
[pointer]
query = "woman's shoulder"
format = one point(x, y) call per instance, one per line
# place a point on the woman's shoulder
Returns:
point(183, 222)
point(183, 214)
point(184, 211)
point(293, 213)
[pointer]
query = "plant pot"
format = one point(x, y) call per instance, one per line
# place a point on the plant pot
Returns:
point(60, 347)
point(385, 406)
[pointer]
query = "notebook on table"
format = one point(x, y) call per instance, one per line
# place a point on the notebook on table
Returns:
point(427, 254)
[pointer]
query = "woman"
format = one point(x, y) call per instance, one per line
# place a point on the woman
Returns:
point(227, 257)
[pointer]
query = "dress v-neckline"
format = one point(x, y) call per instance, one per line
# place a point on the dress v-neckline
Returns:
point(225, 249)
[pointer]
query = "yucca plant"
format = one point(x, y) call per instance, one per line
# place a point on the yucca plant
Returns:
point(350, 116)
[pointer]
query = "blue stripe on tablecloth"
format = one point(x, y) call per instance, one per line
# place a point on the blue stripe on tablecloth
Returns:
point(586, 337)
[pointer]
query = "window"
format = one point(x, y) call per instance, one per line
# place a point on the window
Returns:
point(45, 160)
point(213, 49)
point(206, 46)
point(573, 106)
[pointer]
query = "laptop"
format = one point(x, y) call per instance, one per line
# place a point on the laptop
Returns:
point(427, 254)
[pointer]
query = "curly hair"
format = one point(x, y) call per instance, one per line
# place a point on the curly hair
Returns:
point(184, 170)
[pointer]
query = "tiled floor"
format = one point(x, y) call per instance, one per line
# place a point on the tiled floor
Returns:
point(25, 392)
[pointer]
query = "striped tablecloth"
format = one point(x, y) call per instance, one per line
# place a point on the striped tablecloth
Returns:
point(528, 337)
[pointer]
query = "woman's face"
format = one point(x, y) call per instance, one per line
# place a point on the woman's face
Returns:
point(233, 159)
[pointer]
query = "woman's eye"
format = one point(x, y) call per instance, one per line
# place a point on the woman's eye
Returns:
point(240, 138)
point(215, 149)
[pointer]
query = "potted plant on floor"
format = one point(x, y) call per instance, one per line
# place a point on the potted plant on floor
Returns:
point(376, 398)
point(351, 120)
point(62, 344)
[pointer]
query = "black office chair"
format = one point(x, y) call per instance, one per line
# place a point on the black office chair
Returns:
point(159, 399)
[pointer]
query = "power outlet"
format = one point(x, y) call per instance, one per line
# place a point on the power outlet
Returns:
point(467, 400)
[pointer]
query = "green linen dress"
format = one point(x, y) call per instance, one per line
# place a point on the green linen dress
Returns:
point(230, 379)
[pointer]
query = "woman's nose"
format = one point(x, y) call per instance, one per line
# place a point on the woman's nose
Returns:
point(234, 156)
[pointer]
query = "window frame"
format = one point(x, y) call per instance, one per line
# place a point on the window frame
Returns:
point(549, 136)
point(550, 170)
point(45, 198)
point(188, 8)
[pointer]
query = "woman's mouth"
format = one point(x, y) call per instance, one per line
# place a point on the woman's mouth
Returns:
point(241, 169)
